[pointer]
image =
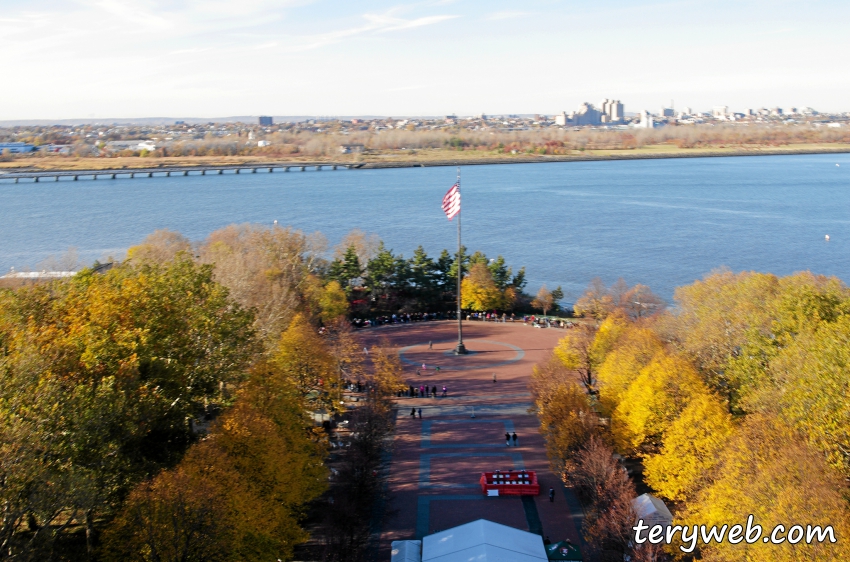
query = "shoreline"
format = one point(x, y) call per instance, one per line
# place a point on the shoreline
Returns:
point(31, 172)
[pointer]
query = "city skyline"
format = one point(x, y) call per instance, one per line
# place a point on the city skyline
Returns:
point(91, 59)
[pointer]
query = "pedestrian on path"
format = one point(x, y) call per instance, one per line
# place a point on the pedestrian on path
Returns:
point(424, 367)
point(422, 391)
point(430, 345)
point(551, 495)
point(420, 413)
point(494, 378)
point(434, 391)
point(515, 438)
point(366, 351)
point(413, 412)
point(411, 391)
point(507, 439)
point(445, 391)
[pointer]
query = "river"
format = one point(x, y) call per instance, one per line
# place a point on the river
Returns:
point(663, 223)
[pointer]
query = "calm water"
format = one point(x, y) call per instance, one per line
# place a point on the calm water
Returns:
point(663, 223)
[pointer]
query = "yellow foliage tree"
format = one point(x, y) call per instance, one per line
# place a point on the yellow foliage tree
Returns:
point(690, 449)
point(768, 471)
point(659, 394)
point(388, 373)
point(303, 358)
point(575, 352)
point(635, 347)
point(332, 302)
point(479, 291)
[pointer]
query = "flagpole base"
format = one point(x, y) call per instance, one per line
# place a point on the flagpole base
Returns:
point(460, 349)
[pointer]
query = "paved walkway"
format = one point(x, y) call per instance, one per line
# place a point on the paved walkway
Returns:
point(437, 460)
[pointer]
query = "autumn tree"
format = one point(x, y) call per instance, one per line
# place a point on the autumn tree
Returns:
point(596, 301)
point(768, 471)
point(690, 449)
point(266, 269)
point(544, 300)
point(575, 351)
point(656, 398)
point(566, 417)
point(107, 372)
point(388, 373)
point(161, 246)
point(479, 291)
point(303, 359)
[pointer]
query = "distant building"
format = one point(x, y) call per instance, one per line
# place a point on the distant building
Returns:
point(561, 119)
point(720, 111)
point(16, 147)
point(667, 112)
point(116, 146)
point(776, 111)
point(179, 122)
point(646, 121)
point(266, 121)
point(38, 275)
point(263, 143)
point(612, 111)
point(351, 148)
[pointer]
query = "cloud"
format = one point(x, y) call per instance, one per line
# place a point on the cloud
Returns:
point(377, 23)
point(508, 15)
point(385, 22)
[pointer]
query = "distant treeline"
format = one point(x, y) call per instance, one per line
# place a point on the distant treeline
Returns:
point(538, 141)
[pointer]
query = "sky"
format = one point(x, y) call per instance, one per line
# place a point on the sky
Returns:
point(65, 59)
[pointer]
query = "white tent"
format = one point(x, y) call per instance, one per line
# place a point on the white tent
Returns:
point(483, 541)
point(406, 551)
point(652, 511)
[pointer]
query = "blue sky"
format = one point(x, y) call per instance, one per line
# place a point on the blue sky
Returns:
point(212, 58)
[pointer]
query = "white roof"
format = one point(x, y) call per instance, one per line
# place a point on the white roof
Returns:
point(406, 551)
point(483, 541)
point(648, 507)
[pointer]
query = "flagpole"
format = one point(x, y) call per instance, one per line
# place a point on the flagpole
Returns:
point(460, 349)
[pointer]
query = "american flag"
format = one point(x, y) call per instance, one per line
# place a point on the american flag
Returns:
point(451, 201)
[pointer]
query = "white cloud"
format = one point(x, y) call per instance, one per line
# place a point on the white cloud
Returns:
point(508, 15)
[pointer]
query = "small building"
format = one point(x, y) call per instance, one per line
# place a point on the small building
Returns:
point(263, 143)
point(351, 148)
point(266, 121)
point(481, 540)
point(16, 147)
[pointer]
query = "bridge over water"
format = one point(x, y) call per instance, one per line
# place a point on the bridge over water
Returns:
point(115, 173)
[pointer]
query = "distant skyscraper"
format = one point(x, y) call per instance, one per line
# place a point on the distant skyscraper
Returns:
point(266, 121)
point(646, 121)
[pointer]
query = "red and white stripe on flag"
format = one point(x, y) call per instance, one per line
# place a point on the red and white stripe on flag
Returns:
point(451, 201)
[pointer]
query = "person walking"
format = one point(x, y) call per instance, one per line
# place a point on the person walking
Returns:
point(551, 495)
point(424, 367)
point(420, 413)
point(434, 391)
point(494, 378)
point(445, 391)
point(430, 345)
point(413, 413)
point(411, 391)
point(507, 439)
point(515, 439)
